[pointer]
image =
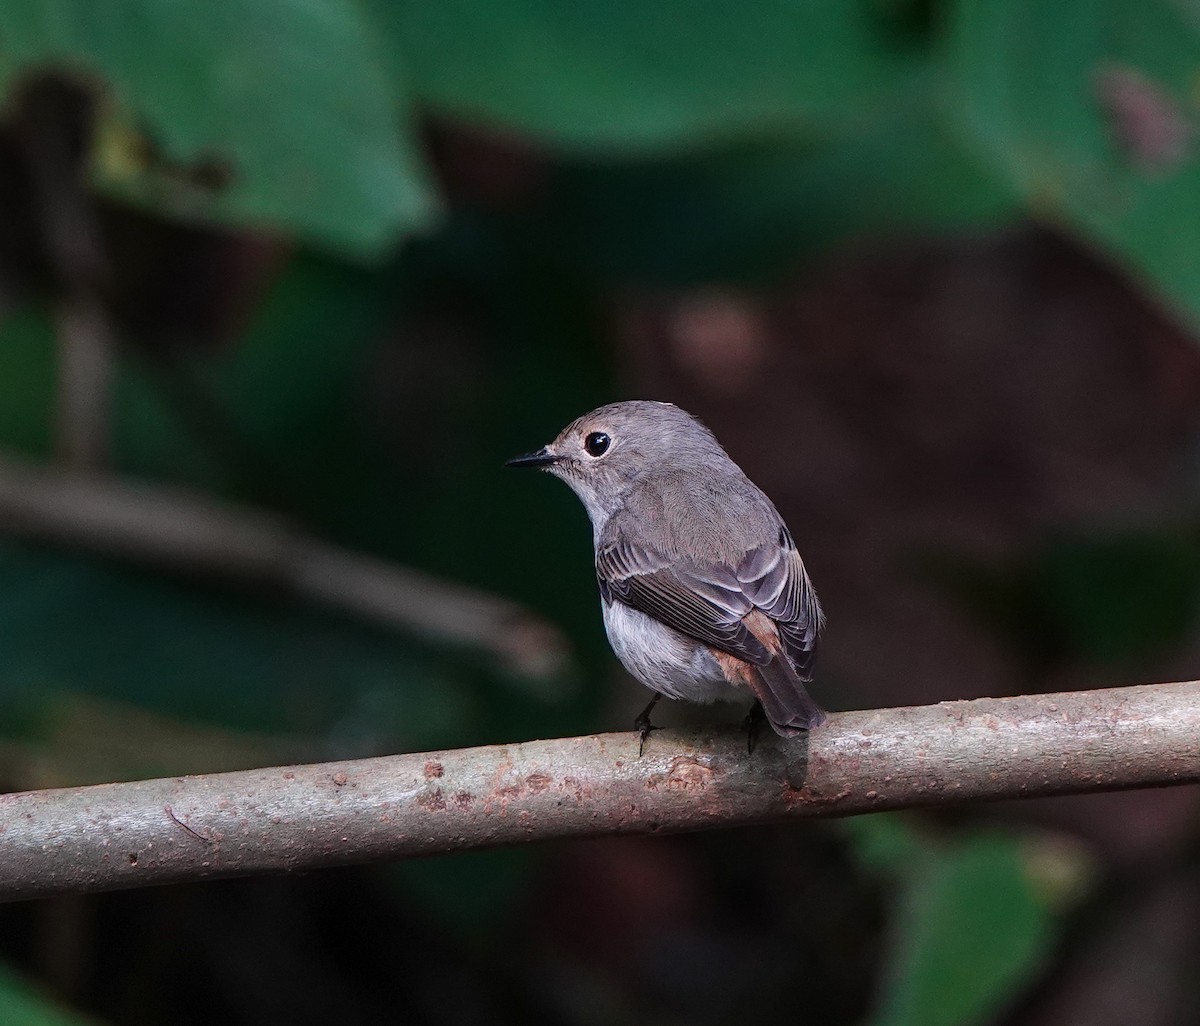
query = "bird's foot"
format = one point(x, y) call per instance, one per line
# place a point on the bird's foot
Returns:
point(643, 725)
point(754, 719)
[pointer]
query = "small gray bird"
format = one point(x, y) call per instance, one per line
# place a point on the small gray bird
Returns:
point(705, 597)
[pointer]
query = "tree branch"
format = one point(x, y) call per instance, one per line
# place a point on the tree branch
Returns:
point(185, 531)
point(54, 122)
point(87, 365)
point(162, 831)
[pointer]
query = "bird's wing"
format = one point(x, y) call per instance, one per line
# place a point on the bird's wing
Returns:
point(709, 601)
point(773, 578)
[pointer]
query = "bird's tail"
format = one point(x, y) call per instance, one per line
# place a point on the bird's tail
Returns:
point(785, 699)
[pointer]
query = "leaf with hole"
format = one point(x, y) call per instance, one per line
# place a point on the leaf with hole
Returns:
point(282, 113)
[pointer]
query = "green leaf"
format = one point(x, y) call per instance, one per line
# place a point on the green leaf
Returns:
point(22, 1005)
point(749, 210)
point(887, 844)
point(1123, 598)
point(1089, 108)
point(288, 392)
point(973, 927)
point(303, 351)
point(644, 73)
point(472, 891)
point(74, 625)
point(1112, 599)
point(27, 378)
point(65, 740)
point(283, 109)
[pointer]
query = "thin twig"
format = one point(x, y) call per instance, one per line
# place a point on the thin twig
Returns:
point(186, 531)
point(118, 835)
point(86, 370)
point(55, 121)
point(195, 833)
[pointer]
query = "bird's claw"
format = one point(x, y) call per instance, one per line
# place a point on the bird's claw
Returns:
point(751, 723)
point(643, 726)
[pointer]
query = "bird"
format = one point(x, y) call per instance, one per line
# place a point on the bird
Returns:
point(704, 595)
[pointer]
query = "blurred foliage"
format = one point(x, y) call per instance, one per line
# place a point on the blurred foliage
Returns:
point(308, 139)
point(22, 1005)
point(625, 75)
point(977, 915)
point(216, 657)
point(1089, 109)
point(1107, 599)
point(748, 210)
point(971, 928)
point(73, 739)
point(665, 144)
point(1085, 111)
point(27, 381)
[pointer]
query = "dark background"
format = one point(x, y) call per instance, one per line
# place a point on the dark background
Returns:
point(930, 271)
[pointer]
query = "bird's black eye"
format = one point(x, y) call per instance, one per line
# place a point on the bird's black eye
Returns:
point(597, 443)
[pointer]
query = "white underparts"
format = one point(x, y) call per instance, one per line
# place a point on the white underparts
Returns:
point(665, 660)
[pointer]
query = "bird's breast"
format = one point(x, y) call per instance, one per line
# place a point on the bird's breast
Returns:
point(663, 659)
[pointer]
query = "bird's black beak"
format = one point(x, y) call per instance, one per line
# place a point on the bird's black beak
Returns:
point(542, 458)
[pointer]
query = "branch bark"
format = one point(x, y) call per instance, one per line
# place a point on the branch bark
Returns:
point(115, 836)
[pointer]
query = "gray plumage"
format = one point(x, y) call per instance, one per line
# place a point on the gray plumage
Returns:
point(704, 595)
